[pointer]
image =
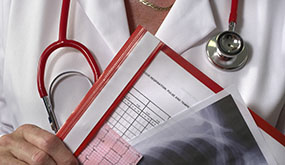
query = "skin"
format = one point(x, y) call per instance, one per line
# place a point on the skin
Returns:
point(32, 145)
point(139, 14)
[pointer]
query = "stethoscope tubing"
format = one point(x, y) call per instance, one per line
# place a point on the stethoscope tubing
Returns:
point(233, 14)
point(63, 42)
point(54, 46)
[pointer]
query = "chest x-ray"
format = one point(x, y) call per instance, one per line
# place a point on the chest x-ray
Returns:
point(217, 134)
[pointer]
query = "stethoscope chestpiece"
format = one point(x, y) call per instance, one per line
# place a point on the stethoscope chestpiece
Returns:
point(227, 51)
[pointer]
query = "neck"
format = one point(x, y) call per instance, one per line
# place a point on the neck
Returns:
point(140, 14)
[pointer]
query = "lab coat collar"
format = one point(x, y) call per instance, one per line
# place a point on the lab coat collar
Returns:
point(187, 22)
point(110, 19)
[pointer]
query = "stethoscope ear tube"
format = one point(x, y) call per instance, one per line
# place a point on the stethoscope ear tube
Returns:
point(49, 101)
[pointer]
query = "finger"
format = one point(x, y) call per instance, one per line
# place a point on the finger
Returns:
point(49, 143)
point(12, 161)
point(31, 154)
point(22, 150)
point(9, 159)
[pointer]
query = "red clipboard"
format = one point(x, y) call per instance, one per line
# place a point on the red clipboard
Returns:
point(112, 68)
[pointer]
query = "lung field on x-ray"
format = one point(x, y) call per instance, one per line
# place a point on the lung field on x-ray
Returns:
point(216, 134)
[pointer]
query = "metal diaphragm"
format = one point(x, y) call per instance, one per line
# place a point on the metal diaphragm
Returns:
point(227, 51)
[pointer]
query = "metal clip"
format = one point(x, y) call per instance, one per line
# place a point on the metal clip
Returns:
point(51, 115)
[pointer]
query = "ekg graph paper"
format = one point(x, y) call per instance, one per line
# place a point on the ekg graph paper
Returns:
point(109, 148)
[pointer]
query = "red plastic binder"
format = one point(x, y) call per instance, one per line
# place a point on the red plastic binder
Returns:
point(113, 67)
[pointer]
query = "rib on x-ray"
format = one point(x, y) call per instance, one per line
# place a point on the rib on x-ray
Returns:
point(214, 135)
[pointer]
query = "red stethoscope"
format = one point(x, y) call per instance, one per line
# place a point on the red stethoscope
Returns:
point(62, 42)
point(227, 50)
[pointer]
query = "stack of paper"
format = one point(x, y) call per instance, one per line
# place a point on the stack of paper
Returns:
point(147, 84)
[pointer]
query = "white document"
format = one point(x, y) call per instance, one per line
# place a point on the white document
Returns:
point(156, 97)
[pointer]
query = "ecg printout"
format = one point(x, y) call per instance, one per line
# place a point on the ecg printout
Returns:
point(108, 148)
point(155, 97)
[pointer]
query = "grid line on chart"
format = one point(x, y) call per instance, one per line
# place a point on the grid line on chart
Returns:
point(133, 122)
point(135, 114)
point(149, 101)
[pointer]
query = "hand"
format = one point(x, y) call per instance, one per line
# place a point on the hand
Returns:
point(30, 144)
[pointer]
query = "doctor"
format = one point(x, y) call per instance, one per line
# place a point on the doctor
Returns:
point(28, 26)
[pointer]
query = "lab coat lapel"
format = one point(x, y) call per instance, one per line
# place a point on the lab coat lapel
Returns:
point(110, 19)
point(187, 23)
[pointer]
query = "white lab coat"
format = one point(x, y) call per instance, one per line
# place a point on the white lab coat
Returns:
point(28, 26)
